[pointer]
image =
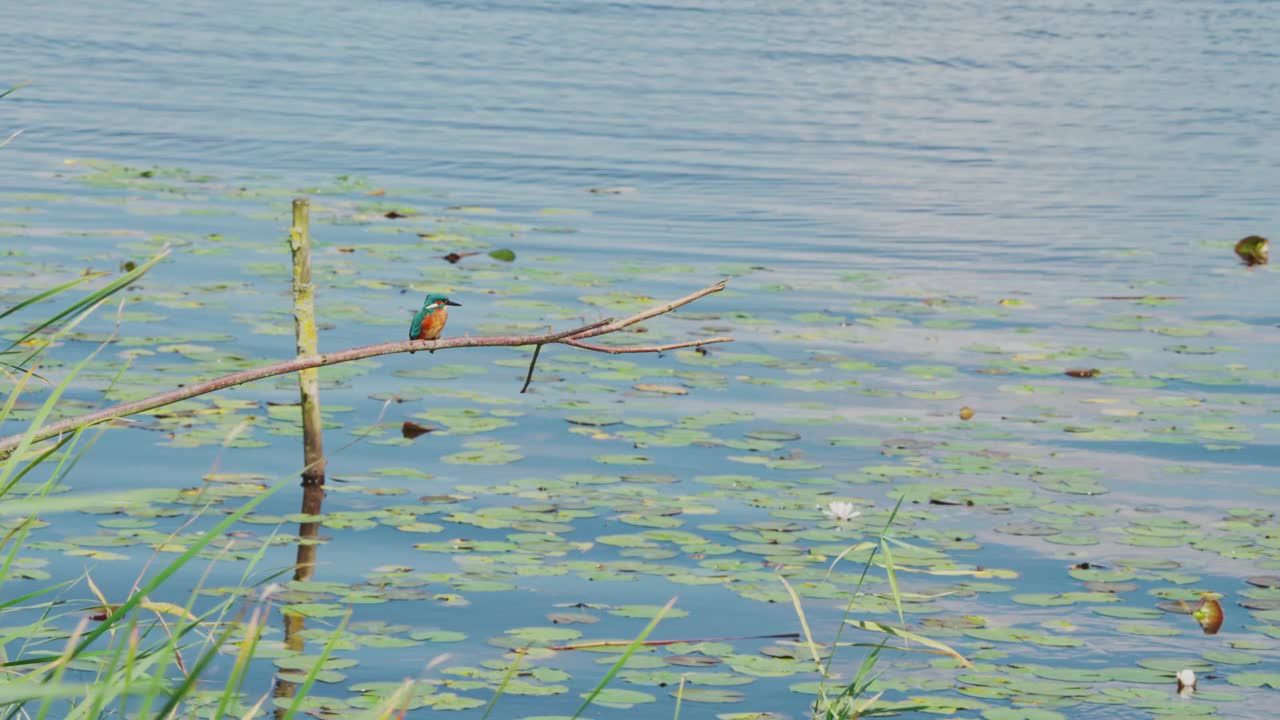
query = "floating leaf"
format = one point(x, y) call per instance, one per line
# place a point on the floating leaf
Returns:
point(709, 695)
point(485, 454)
point(1253, 250)
point(1223, 657)
point(1209, 614)
point(411, 430)
point(620, 698)
point(1028, 528)
point(648, 611)
point(1021, 714)
point(622, 459)
point(453, 257)
point(773, 435)
point(1255, 679)
point(1085, 373)
point(600, 420)
point(662, 389)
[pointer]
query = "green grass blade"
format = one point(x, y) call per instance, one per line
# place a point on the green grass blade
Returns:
point(626, 655)
point(939, 648)
point(889, 563)
point(804, 623)
point(12, 694)
point(18, 601)
point(863, 678)
point(310, 680)
point(35, 463)
point(240, 668)
point(60, 668)
point(95, 703)
point(502, 686)
point(893, 579)
point(9, 139)
point(195, 674)
point(74, 503)
point(18, 535)
point(19, 86)
point(679, 697)
point(177, 563)
point(848, 608)
point(15, 393)
point(51, 402)
point(91, 300)
point(893, 515)
point(51, 292)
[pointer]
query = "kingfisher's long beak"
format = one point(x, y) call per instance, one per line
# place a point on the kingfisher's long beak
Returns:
point(450, 302)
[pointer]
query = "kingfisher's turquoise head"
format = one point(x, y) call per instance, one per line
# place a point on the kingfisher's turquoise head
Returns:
point(435, 300)
point(430, 320)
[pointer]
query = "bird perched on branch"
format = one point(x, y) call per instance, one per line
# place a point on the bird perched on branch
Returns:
point(430, 320)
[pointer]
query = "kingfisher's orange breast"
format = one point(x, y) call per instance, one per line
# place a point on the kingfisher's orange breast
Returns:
point(433, 324)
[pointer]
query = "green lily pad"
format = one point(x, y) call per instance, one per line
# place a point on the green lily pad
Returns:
point(1223, 657)
point(1021, 714)
point(647, 611)
point(1255, 679)
point(622, 459)
point(708, 695)
point(773, 435)
point(621, 698)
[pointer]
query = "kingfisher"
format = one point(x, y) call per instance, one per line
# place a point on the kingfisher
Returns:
point(430, 320)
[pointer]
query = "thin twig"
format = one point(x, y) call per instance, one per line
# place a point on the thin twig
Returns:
point(186, 392)
point(528, 378)
point(560, 337)
point(652, 312)
point(646, 348)
point(618, 325)
point(557, 336)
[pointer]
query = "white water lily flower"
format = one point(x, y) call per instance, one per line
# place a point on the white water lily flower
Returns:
point(1186, 682)
point(841, 511)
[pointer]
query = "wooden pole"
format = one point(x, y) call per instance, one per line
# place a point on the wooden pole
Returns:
point(304, 316)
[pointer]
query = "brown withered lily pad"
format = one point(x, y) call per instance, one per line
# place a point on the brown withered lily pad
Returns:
point(1253, 250)
point(1082, 373)
point(412, 429)
point(1209, 614)
point(454, 257)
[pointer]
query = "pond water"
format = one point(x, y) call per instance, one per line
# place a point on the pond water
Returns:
point(920, 207)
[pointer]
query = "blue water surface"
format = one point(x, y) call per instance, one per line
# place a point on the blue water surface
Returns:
point(1055, 156)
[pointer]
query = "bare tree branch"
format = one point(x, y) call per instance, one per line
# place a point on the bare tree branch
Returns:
point(651, 312)
point(614, 326)
point(186, 392)
point(645, 348)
